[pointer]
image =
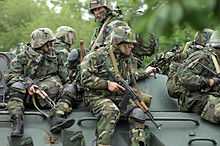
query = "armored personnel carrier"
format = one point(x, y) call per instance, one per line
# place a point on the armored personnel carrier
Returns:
point(177, 128)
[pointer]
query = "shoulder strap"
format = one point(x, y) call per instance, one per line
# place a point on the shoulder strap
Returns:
point(216, 64)
point(100, 32)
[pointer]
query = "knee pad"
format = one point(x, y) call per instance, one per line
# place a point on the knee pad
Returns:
point(69, 91)
point(138, 115)
point(17, 87)
point(211, 111)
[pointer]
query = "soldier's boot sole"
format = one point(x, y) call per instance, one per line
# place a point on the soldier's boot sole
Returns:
point(65, 124)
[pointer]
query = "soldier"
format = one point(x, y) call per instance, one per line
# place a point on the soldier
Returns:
point(104, 95)
point(65, 38)
point(164, 59)
point(200, 40)
point(198, 83)
point(144, 47)
point(37, 72)
point(107, 19)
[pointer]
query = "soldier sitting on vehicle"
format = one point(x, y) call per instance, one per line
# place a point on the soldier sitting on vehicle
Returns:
point(197, 82)
point(37, 74)
point(104, 95)
point(65, 38)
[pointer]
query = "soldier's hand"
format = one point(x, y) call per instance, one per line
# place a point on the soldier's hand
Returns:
point(151, 70)
point(115, 87)
point(32, 89)
point(214, 81)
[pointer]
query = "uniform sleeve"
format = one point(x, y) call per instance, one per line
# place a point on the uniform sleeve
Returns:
point(16, 73)
point(62, 68)
point(191, 78)
point(89, 71)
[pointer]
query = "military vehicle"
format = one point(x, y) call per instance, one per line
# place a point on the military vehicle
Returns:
point(177, 128)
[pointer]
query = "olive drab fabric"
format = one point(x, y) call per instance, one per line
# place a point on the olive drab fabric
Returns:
point(192, 79)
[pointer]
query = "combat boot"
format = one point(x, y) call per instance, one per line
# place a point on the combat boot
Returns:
point(58, 123)
point(18, 125)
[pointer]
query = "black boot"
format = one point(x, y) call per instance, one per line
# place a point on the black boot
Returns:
point(58, 123)
point(18, 125)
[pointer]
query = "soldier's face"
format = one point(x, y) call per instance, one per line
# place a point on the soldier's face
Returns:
point(126, 48)
point(48, 47)
point(100, 13)
point(70, 38)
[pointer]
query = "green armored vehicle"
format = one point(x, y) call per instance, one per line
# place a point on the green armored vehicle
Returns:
point(177, 128)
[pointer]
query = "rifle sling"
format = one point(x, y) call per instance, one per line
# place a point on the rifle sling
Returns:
point(216, 64)
point(100, 32)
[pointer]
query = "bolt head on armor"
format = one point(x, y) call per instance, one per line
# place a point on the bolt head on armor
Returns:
point(41, 36)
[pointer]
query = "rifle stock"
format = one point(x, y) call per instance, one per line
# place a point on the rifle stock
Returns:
point(130, 94)
point(82, 50)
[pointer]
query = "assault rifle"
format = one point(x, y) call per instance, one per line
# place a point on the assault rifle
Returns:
point(130, 94)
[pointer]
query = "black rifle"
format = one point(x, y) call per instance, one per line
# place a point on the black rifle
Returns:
point(130, 94)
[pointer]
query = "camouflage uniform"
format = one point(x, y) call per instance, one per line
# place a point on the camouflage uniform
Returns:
point(64, 41)
point(112, 19)
point(192, 78)
point(199, 43)
point(96, 70)
point(34, 67)
point(144, 47)
point(163, 60)
point(200, 40)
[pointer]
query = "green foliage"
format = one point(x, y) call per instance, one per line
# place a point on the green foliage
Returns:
point(20, 18)
point(161, 17)
point(174, 21)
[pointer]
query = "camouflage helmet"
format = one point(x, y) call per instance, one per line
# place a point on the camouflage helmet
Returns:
point(214, 40)
point(122, 34)
point(62, 33)
point(99, 3)
point(41, 36)
point(201, 38)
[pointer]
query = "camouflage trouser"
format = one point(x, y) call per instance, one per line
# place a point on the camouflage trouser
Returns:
point(211, 111)
point(108, 114)
point(68, 97)
point(18, 96)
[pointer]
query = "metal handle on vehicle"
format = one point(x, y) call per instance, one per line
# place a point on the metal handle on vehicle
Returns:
point(202, 139)
point(175, 119)
point(79, 122)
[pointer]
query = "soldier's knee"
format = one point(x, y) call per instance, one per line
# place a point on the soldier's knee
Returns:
point(63, 107)
point(217, 112)
point(111, 111)
point(211, 111)
point(17, 90)
point(138, 115)
point(69, 92)
point(15, 105)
